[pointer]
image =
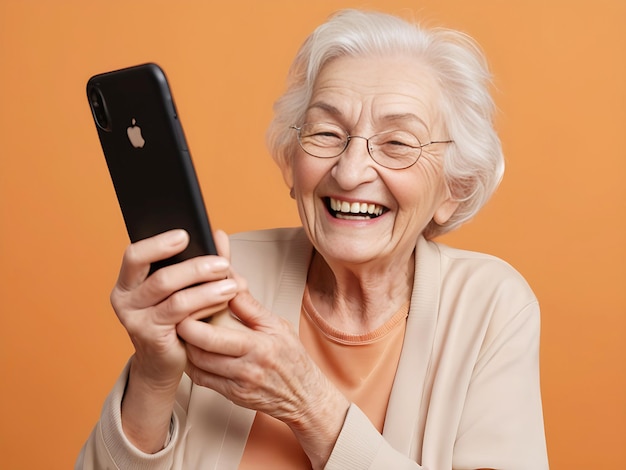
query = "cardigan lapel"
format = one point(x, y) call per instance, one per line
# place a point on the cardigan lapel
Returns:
point(290, 289)
point(405, 419)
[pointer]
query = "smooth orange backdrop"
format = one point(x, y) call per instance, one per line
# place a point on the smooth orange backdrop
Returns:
point(559, 216)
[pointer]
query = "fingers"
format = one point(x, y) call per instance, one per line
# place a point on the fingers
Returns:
point(200, 301)
point(209, 338)
point(226, 319)
point(171, 282)
point(150, 306)
point(170, 279)
point(138, 256)
point(268, 372)
point(253, 314)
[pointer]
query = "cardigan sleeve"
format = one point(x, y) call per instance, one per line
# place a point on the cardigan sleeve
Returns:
point(361, 446)
point(108, 448)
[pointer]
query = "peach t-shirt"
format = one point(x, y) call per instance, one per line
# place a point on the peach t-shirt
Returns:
point(362, 366)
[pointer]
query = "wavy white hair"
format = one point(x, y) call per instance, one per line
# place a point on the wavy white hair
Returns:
point(473, 164)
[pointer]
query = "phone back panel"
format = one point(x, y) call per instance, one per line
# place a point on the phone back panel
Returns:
point(155, 183)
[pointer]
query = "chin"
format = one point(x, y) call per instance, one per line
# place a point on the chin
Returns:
point(350, 252)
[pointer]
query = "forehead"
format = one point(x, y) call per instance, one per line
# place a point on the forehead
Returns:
point(397, 88)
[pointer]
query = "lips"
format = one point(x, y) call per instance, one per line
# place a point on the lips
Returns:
point(353, 210)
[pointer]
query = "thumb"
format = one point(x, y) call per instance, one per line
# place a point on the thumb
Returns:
point(250, 311)
point(222, 243)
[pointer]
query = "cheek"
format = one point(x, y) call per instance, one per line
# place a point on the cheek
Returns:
point(300, 182)
point(421, 191)
point(308, 172)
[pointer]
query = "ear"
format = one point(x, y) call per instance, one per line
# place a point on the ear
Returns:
point(445, 210)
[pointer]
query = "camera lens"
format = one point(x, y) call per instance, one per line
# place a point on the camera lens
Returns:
point(98, 108)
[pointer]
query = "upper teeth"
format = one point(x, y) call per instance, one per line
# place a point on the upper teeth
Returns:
point(355, 207)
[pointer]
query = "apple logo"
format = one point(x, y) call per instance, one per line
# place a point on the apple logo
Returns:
point(134, 135)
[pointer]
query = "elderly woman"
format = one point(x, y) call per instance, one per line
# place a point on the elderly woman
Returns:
point(359, 343)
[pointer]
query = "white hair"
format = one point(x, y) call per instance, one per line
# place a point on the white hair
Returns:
point(473, 164)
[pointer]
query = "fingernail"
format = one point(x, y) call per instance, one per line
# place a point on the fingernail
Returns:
point(228, 286)
point(219, 264)
point(176, 236)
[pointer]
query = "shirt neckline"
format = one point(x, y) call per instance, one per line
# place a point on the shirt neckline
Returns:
point(351, 338)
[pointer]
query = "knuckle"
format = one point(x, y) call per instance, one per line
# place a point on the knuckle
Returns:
point(134, 326)
point(178, 302)
point(268, 356)
point(283, 328)
point(118, 299)
point(260, 379)
point(160, 280)
point(200, 267)
point(251, 377)
point(132, 255)
point(115, 300)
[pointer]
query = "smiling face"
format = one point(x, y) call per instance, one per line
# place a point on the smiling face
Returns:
point(354, 210)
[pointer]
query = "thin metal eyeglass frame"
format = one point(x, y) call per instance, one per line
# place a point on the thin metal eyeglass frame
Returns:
point(369, 149)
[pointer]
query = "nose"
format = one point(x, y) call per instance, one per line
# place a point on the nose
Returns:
point(355, 165)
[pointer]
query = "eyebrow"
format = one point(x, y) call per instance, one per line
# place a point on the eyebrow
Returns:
point(324, 107)
point(330, 109)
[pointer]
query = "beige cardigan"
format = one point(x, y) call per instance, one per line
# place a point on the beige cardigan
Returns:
point(466, 394)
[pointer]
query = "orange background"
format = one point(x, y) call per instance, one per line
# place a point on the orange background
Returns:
point(559, 216)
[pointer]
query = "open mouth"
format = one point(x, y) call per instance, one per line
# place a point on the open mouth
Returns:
point(353, 210)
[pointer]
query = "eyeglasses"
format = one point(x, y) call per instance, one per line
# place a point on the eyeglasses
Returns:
point(395, 149)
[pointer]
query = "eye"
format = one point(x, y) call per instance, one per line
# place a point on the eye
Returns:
point(322, 135)
point(396, 143)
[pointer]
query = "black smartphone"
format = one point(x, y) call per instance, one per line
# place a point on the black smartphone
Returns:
point(148, 157)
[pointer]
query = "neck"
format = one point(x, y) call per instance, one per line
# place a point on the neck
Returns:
point(359, 299)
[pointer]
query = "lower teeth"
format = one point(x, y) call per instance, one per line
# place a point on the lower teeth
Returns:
point(340, 215)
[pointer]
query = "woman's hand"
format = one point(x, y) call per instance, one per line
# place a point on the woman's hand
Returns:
point(265, 367)
point(149, 308)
